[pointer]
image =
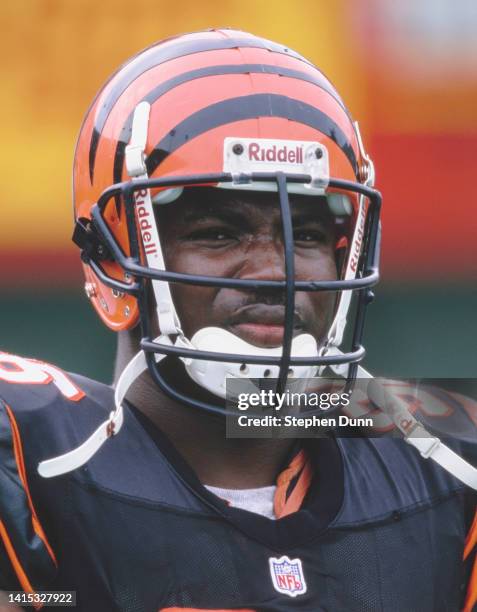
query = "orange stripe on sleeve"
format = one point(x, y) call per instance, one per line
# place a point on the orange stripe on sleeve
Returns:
point(470, 542)
point(471, 597)
point(17, 566)
point(18, 452)
point(471, 539)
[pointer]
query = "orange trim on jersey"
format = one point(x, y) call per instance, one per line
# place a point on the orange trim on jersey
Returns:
point(471, 597)
point(17, 566)
point(18, 452)
point(470, 543)
point(471, 539)
point(283, 505)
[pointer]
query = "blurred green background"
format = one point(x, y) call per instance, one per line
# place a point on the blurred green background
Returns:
point(408, 72)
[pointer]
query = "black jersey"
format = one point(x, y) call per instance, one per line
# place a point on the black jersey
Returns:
point(134, 530)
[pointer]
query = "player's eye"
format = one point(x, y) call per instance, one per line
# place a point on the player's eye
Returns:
point(309, 237)
point(212, 235)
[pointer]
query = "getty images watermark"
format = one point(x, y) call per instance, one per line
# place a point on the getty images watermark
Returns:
point(258, 410)
point(311, 408)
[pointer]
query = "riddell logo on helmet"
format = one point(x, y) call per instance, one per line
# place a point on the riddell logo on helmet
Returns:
point(274, 153)
point(358, 241)
point(144, 221)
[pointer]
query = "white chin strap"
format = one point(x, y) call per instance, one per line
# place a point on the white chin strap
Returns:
point(209, 374)
point(82, 454)
point(337, 328)
point(394, 411)
point(136, 168)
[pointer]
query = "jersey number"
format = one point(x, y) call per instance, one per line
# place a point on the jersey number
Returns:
point(23, 371)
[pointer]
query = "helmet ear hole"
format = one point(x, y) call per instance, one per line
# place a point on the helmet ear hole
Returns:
point(117, 309)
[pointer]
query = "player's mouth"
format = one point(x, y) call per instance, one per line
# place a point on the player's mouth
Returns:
point(262, 325)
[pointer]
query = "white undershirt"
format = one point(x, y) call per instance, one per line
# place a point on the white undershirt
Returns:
point(258, 500)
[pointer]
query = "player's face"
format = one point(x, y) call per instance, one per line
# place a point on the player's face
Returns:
point(220, 233)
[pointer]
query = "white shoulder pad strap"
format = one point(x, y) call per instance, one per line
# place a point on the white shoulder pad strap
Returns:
point(416, 435)
point(430, 446)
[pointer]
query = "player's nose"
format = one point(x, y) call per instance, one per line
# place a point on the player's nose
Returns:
point(264, 260)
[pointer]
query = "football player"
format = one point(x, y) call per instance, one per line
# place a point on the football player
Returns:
point(225, 212)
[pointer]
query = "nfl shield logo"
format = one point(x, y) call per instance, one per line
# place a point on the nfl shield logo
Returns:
point(287, 576)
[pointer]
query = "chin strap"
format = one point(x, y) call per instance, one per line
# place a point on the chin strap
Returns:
point(337, 328)
point(336, 331)
point(394, 411)
point(415, 434)
point(136, 167)
point(342, 368)
point(82, 454)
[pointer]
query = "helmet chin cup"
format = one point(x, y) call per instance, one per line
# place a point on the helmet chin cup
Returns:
point(212, 375)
